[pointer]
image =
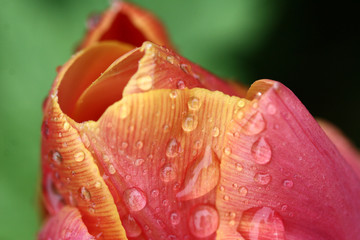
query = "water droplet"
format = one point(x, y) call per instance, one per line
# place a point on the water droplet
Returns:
point(124, 145)
point(168, 173)
point(203, 221)
point(97, 184)
point(112, 169)
point(173, 94)
point(56, 157)
point(189, 123)
point(288, 183)
point(79, 156)
point(139, 162)
point(241, 103)
point(271, 109)
point(155, 193)
point(198, 144)
point(243, 191)
point(284, 207)
point(255, 125)
point(201, 177)
point(194, 103)
point(145, 83)
point(84, 194)
point(261, 223)
point(91, 210)
point(139, 144)
point(227, 151)
point(181, 84)
point(226, 197)
point(170, 59)
point(66, 126)
point(238, 167)
point(165, 202)
point(131, 227)
point(124, 111)
point(262, 178)
point(240, 115)
point(45, 129)
point(186, 68)
point(172, 148)
point(134, 199)
point(175, 218)
point(215, 132)
point(261, 151)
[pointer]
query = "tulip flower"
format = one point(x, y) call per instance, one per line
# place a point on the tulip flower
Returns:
point(140, 143)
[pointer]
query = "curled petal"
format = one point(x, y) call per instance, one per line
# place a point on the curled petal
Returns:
point(67, 225)
point(126, 23)
point(291, 180)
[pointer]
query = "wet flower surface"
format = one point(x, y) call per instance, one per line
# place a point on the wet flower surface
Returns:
point(140, 143)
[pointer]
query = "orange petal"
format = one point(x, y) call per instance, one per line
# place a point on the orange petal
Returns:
point(126, 23)
point(72, 177)
point(66, 225)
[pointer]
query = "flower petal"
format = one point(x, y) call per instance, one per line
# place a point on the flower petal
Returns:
point(345, 147)
point(291, 181)
point(66, 225)
point(72, 177)
point(160, 150)
point(126, 23)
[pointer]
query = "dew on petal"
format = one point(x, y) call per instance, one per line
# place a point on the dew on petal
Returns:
point(45, 129)
point(85, 194)
point(173, 94)
point(170, 59)
point(181, 84)
point(172, 148)
point(238, 167)
point(261, 151)
point(227, 151)
point(203, 221)
point(124, 111)
point(262, 223)
point(66, 126)
point(255, 124)
point(189, 123)
point(271, 109)
point(97, 184)
point(194, 103)
point(215, 132)
point(243, 191)
point(288, 183)
point(201, 177)
point(175, 218)
point(79, 156)
point(135, 199)
point(155, 193)
point(262, 178)
point(139, 162)
point(131, 227)
point(185, 67)
point(145, 83)
point(168, 173)
point(139, 144)
point(56, 157)
point(241, 103)
point(112, 169)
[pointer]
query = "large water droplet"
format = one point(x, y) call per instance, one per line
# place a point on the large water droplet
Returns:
point(262, 178)
point(134, 199)
point(56, 157)
point(261, 224)
point(131, 227)
point(189, 123)
point(168, 173)
point(194, 103)
point(255, 125)
point(261, 151)
point(84, 194)
point(172, 148)
point(201, 177)
point(145, 83)
point(203, 221)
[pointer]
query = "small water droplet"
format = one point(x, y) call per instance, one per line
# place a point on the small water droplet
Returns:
point(226, 197)
point(240, 115)
point(165, 202)
point(243, 191)
point(262, 178)
point(56, 157)
point(241, 103)
point(66, 126)
point(238, 167)
point(194, 103)
point(79, 156)
point(145, 83)
point(112, 169)
point(134, 199)
point(124, 111)
point(284, 207)
point(172, 148)
point(168, 173)
point(173, 94)
point(97, 184)
point(261, 223)
point(175, 218)
point(203, 221)
point(139, 144)
point(155, 193)
point(181, 84)
point(45, 129)
point(170, 59)
point(271, 109)
point(91, 210)
point(201, 177)
point(198, 144)
point(186, 68)
point(215, 132)
point(227, 151)
point(288, 183)
point(139, 162)
point(124, 145)
point(261, 151)
point(131, 227)
point(84, 194)
point(255, 125)
point(189, 123)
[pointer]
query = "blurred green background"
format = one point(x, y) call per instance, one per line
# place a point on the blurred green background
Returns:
point(312, 48)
